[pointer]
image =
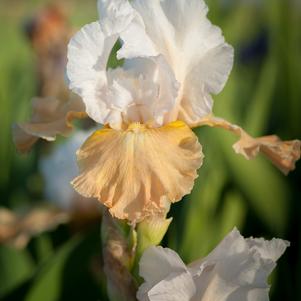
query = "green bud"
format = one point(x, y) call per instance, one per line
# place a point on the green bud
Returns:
point(150, 232)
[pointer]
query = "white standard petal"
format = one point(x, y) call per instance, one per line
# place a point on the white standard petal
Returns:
point(207, 77)
point(119, 17)
point(88, 53)
point(157, 28)
point(237, 269)
point(115, 15)
point(140, 44)
point(194, 48)
point(207, 59)
point(154, 71)
point(144, 91)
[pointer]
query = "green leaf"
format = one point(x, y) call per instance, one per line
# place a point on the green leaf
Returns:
point(47, 284)
point(262, 184)
point(43, 246)
point(200, 224)
point(259, 108)
point(233, 212)
point(16, 267)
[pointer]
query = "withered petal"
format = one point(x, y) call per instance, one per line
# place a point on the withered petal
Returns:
point(283, 154)
point(17, 230)
point(50, 117)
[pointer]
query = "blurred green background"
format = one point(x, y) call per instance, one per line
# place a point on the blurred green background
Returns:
point(263, 95)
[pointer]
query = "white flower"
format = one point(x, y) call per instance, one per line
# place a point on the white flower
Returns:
point(175, 58)
point(59, 168)
point(236, 270)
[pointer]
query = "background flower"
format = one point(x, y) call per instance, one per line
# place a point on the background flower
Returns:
point(237, 269)
point(59, 168)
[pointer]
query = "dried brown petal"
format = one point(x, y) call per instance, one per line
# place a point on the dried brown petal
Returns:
point(49, 33)
point(8, 221)
point(118, 256)
point(17, 230)
point(50, 117)
point(283, 154)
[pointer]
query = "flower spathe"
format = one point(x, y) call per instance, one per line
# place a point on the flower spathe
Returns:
point(236, 270)
point(174, 59)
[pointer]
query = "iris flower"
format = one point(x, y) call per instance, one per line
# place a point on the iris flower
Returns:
point(236, 270)
point(147, 156)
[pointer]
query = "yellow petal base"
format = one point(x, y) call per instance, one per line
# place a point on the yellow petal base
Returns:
point(134, 171)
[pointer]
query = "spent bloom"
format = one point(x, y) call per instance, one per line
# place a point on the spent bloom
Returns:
point(54, 108)
point(50, 117)
point(236, 270)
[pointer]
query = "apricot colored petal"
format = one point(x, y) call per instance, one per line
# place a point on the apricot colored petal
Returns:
point(133, 171)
